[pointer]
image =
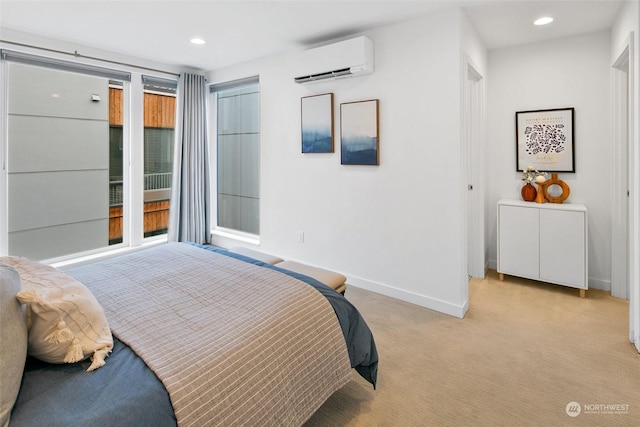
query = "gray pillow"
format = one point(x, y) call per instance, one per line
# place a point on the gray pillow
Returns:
point(13, 340)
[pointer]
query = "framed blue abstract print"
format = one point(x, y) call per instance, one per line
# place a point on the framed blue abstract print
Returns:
point(317, 123)
point(359, 142)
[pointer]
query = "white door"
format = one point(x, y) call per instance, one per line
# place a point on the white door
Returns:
point(473, 141)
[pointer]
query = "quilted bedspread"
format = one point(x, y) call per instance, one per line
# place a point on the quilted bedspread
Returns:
point(232, 342)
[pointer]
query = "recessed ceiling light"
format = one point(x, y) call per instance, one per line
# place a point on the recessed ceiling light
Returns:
point(543, 21)
point(197, 40)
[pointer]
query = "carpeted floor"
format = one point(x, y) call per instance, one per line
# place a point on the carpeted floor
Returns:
point(523, 353)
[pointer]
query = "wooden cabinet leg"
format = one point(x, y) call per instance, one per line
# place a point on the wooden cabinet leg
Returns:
point(501, 276)
point(583, 293)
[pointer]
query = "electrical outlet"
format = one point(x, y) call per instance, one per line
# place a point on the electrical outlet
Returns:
point(300, 236)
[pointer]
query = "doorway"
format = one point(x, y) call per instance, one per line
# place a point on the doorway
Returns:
point(625, 268)
point(473, 137)
point(620, 286)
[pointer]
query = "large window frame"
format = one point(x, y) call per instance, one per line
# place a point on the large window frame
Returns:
point(133, 152)
point(217, 229)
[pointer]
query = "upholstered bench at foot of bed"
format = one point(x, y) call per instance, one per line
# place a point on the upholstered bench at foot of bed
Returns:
point(260, 256)
point(329, 278)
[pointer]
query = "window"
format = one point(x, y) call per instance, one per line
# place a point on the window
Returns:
point(159, 131)
point(88, 156)
point(59, 161)
point(116, 169)
point(159, 123)
point(238, 156)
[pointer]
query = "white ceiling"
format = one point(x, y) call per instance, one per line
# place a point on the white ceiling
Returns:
point(237, 31)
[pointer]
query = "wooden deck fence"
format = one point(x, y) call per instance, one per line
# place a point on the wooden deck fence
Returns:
point(156, 219)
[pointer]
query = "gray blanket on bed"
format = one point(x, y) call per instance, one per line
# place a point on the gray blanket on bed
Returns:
point(229, 340)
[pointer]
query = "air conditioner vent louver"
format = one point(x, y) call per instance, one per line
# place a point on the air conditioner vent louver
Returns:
point(348, 58)
point(323, 76)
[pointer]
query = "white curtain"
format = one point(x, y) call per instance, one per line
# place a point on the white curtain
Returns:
point(190, 207)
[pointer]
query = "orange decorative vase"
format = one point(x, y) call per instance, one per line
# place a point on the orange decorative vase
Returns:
point(528, 192)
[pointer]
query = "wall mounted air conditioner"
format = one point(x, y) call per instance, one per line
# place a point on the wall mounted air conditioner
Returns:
point(348, 58)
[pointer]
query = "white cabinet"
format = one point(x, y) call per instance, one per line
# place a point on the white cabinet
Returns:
point(543, 241)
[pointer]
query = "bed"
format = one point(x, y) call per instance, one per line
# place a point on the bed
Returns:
point(200, 336)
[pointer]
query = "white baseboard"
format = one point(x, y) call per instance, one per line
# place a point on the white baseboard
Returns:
point(411, 297)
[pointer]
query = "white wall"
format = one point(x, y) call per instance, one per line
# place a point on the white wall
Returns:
point(397, 228)
point(571, 72)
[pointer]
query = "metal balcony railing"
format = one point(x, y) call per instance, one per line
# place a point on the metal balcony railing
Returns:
point(156, 181)
point(152, 181)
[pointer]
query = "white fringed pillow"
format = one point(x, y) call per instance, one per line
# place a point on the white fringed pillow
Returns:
point(65, 321)
point(13, 341)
